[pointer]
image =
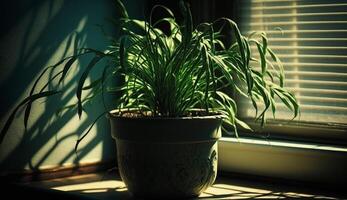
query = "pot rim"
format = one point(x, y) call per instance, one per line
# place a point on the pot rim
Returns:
point(211, 115)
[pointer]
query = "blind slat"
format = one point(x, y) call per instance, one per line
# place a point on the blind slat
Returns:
point(283, 23)
point(285, 31)
point(311, 74)
point(295, 7)
point(276, 47)
point(272, 16)
point(306, 39)
point(322, 99)
point(319, 91)
point(330, 65)
point(274, 1)
point(335, 109)
point(314, 82)
point(312, 56)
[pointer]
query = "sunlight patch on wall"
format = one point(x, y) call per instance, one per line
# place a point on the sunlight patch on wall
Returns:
point(47, 33)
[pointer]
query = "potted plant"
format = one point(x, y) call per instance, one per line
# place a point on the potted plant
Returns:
point(173, 101)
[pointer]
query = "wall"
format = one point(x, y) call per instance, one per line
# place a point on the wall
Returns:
point(35, 34)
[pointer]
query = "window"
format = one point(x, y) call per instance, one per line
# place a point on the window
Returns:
point(310, 37)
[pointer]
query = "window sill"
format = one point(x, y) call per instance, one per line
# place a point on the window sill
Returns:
point(309, 132)
point(285, 160)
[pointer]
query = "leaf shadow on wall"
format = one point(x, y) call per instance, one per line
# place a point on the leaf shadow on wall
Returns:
point(36, 33)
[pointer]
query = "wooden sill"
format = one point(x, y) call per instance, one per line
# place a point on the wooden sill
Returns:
point(56, 172)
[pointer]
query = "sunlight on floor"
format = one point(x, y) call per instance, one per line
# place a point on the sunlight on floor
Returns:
point(224, 189)
point(94, 187)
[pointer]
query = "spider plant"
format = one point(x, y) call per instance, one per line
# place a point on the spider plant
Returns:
point(172, 73)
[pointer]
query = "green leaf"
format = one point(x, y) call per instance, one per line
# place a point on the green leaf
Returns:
point(28, 107)
point(264, 39)
point(81, 81)
point(262, 55)
point(121, 9)
point(280, 66)
point(31, 98)
point(167, 10)
point(67, 67)
point(206, 64)
point(122, 55)
point(243, 124)
point(93, 84)
point(89, 129)
point(188, 22)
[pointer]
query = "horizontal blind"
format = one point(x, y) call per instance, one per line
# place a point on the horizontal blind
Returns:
point(310, 37)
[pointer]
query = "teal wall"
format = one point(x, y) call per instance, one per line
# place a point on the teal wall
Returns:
point(35, 34)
